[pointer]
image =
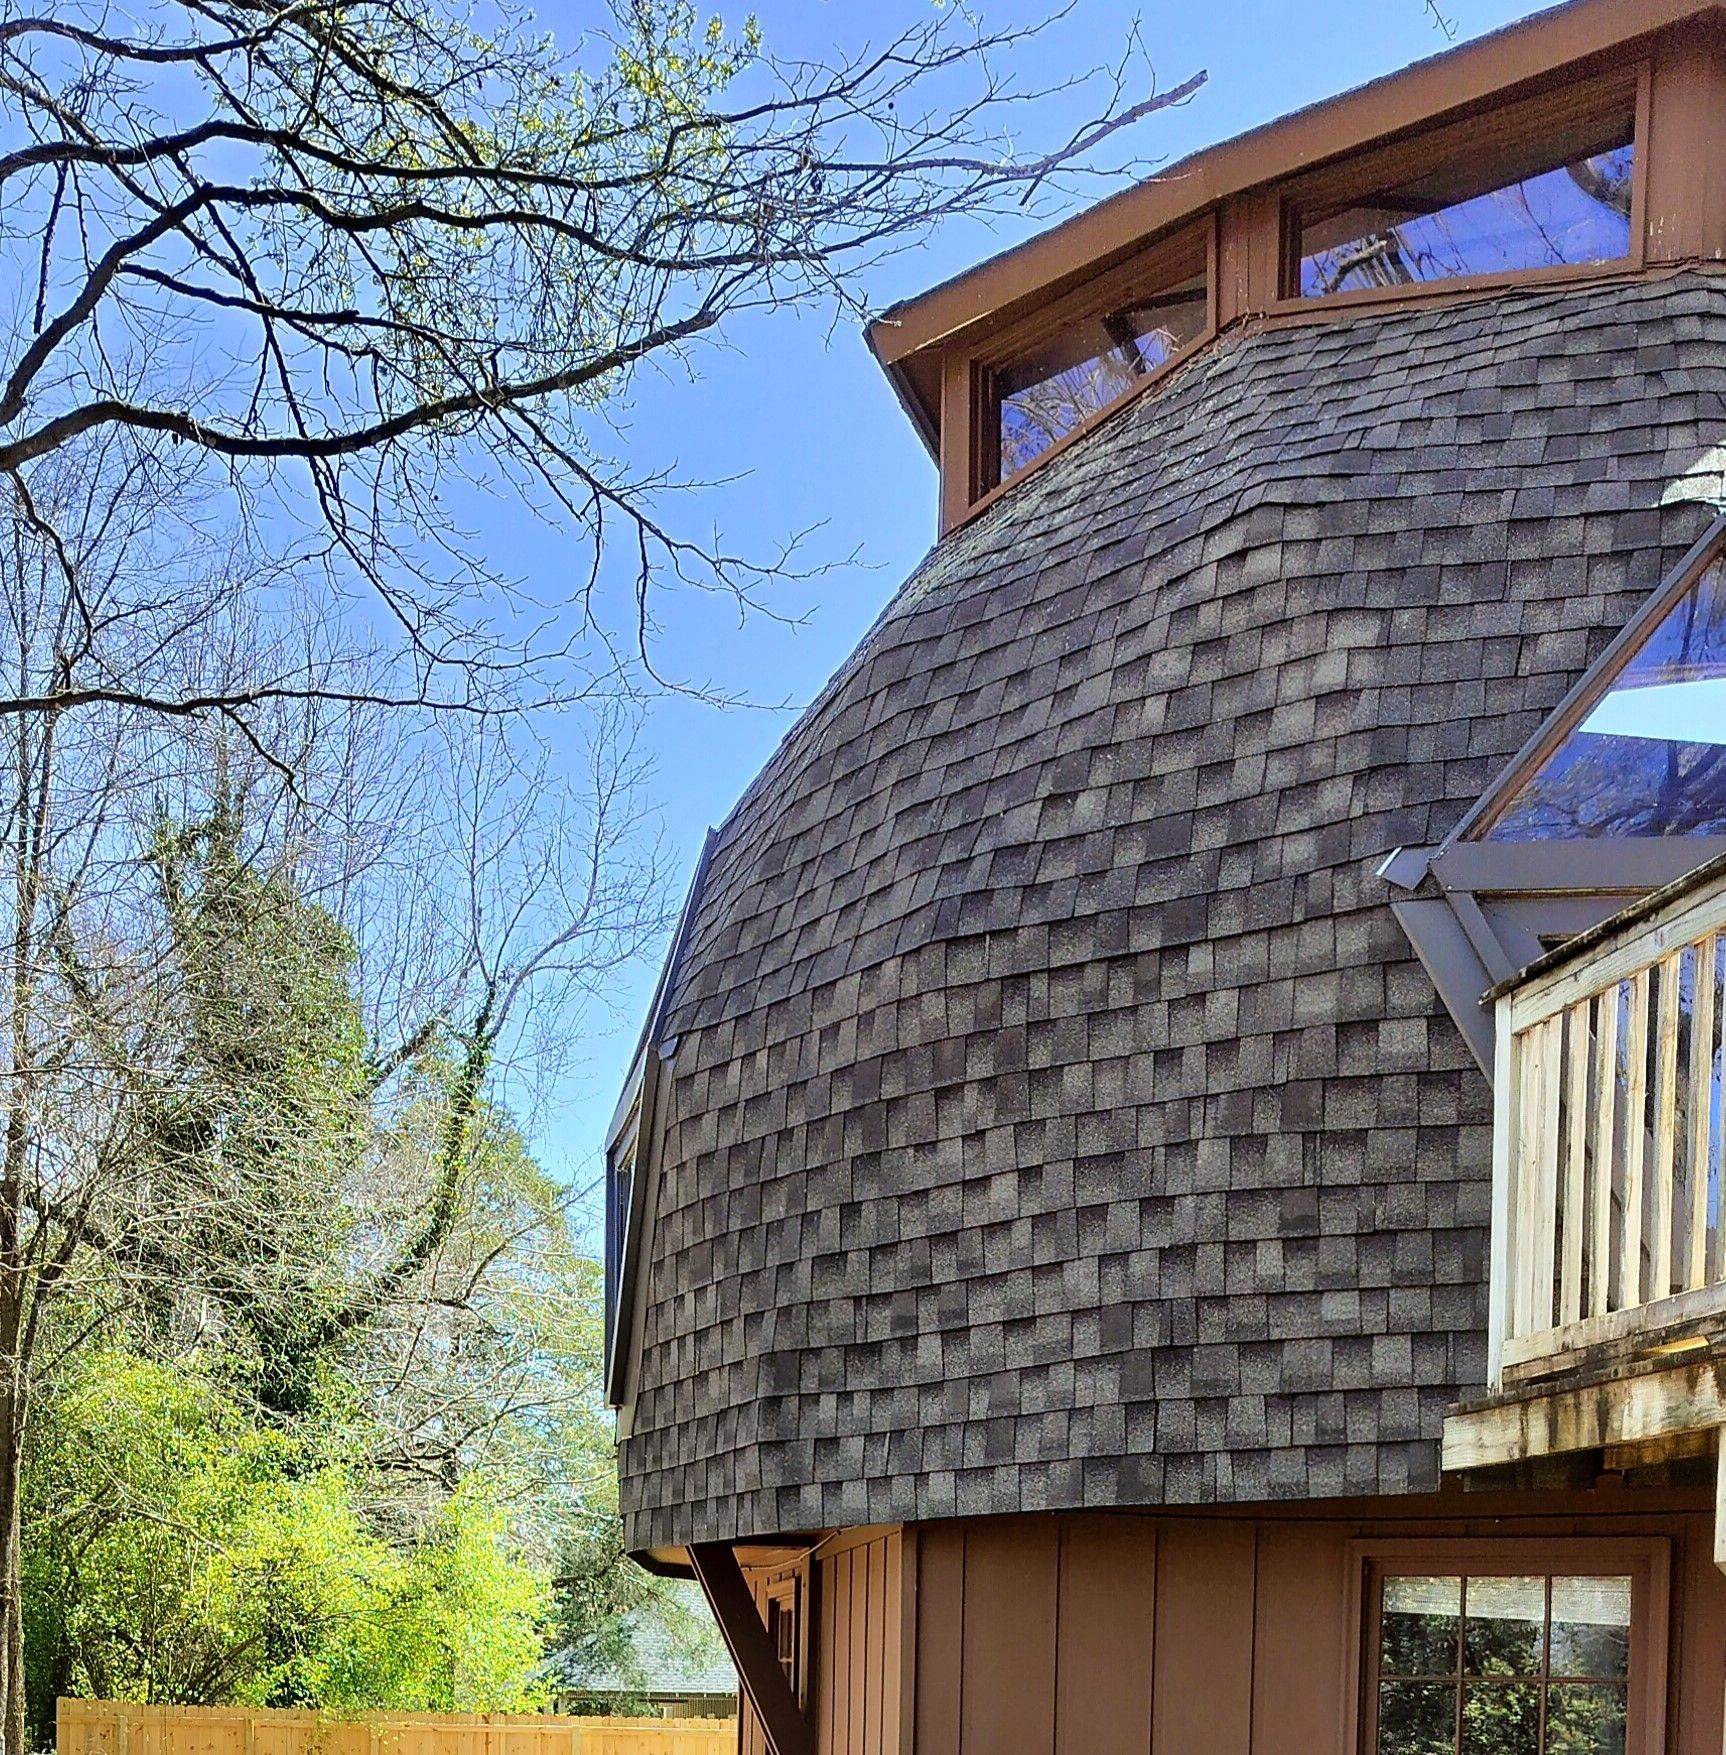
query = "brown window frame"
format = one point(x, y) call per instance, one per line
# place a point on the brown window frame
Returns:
point(1378, 168)
point(1163, 264)
point(784, 1603)
point(1647, 1560)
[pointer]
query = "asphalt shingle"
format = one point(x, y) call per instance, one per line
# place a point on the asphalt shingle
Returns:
point(1059, 1117)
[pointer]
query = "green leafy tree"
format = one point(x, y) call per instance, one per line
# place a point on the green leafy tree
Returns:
point(183, 1552)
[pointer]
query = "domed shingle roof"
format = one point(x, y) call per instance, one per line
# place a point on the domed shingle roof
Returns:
point(1059, 1117)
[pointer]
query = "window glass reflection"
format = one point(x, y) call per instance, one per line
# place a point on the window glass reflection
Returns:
point(1506, 1627)
point(1650, 757)
point(1048, 392)
point(1491, 216)
point(1494, 1664)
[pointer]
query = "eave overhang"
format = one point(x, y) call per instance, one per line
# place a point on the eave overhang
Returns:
point(907, 339)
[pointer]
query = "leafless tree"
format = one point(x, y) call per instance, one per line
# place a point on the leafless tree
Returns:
point(464, 908)
point(358, 255)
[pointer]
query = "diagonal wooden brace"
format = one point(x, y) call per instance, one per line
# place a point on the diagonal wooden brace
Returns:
point(745, 1635)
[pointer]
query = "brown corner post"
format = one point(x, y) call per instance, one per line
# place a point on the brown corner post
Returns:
point(745, 1635)
point(1720, 1499)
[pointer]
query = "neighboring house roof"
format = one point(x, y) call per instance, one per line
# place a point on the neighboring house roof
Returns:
point(1059, 1117)
point(658, 1664)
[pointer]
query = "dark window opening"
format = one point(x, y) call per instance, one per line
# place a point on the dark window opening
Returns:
point(1054, 388)
point(784, 1630)
point(619, 1197)
point(1503, 201)
point(1502, 1665)
point(1648, 755)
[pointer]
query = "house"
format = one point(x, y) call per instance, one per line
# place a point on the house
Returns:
point(662, 1673)
point(1171, 1198)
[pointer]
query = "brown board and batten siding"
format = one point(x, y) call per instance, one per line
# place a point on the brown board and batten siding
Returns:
point(1090, 1634)
point(855, 1587)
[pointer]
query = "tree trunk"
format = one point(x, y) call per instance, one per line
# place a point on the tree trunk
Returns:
point(12, 1705)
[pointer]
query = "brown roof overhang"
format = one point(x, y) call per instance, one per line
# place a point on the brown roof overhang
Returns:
point(905, 337)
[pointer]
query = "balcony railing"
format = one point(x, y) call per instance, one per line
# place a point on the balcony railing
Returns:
point(1608, 1139)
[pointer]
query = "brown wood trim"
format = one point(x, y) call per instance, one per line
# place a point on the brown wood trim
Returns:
point(1646, 1559)
point(907, 1718)
point(970, 444)
point(1639, 169)
point(1546, 47)
point(958, 439)
point(842, 1540)
point(1422, 293)
point(745, 1634)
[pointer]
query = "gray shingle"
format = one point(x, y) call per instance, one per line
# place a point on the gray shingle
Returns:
point(1059, 1117)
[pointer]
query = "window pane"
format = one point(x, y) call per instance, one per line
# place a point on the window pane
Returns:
point(1585, 1718)
point(1591, 1627)
point(1500, 1718)
point(1650, 757)
point(1496, 217)
point(1417, 1718)
point(1047, 393)
point(1506, 1619)
point(1418, 1626)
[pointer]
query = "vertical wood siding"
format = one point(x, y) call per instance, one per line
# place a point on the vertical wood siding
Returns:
point(1096, 1634)
point(854, 1591)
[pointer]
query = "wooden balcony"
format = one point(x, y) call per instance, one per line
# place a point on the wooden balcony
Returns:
point(1607, 1242)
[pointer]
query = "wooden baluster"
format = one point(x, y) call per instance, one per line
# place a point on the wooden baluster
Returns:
point(1635, 1142)
point(1526, 1194)
point(1664, 1167)
point(1602, 1123)
point(1576, 1163)
point(1702, 1015)
point(1545, 1267)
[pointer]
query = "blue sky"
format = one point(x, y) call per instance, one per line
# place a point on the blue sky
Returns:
point(798, 416)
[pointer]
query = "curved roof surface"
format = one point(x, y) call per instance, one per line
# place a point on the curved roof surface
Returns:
point(1059, 1117)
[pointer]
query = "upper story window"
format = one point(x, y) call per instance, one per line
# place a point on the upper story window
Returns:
point(1643, 751)
point(1049, 375)
point(1546, 184)
point(1053, 389)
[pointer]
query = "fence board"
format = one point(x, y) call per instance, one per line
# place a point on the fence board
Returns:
point(111, 1727)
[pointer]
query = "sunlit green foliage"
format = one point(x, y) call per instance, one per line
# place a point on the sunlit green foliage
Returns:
point(182, 1553)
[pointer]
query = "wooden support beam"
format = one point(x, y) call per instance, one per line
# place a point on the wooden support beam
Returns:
point(1625, 1409)
point(1720, 1502)
point(745, 1635)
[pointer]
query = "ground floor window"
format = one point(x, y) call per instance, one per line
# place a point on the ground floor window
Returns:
point(1514, 1650)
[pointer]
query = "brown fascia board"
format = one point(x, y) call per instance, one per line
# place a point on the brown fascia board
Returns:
point(1422, 93)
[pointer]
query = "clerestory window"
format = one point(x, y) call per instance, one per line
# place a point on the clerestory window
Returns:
point(1052, 373)
point(620, 1163)
point(1055, 387)
point(1550, 184)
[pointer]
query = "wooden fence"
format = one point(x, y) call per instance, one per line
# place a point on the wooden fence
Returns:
point(110, 1727)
